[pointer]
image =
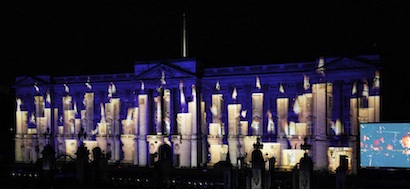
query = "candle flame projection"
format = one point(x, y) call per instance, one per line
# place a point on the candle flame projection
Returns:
point(66, 88)
point(142, 85)
point(48, 97)
point(32, 122)
point(18, 106)
point(354, 88)
point(163, 81)
point(271, 123)
point(338, 127)
point(234, 94)
point(88, 86)
point(281, 89)
point(182, 97)
point(111, 90)
point(60, 125)
point(321, 66)
point(36, 88)
point(376, 80)
point(243, 113)
point(365, 92)
point(258, 83)
point(217, 86)
point(75, 108)
point(306, 83)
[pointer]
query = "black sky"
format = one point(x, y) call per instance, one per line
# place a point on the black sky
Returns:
point(91, 37)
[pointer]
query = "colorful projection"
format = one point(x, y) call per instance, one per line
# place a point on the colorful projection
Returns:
point(204, 117)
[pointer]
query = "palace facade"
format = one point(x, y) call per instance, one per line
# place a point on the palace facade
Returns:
point(203, 115)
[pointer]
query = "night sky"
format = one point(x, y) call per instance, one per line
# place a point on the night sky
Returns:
point(91, 37)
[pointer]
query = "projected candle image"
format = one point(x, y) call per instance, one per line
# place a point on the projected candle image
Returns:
point(184, 119)
point(257, 110)
point(282, 109)
point(280, 103)
point(89, 109)
point(216, 126)
point(102, 126)
point(167, 111)
point(143, 123)
point(192, 108)
point(234, 110)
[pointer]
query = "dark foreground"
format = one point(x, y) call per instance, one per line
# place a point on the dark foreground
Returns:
point(119, 176)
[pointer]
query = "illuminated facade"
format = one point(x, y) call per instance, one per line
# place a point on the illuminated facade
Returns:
point(200, 115)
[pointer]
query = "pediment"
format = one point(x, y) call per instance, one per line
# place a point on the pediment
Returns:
point(347, 63)
point(31, 80)
point(160, 70)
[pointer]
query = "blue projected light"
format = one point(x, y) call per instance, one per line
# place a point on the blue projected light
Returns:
point(385, 145)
